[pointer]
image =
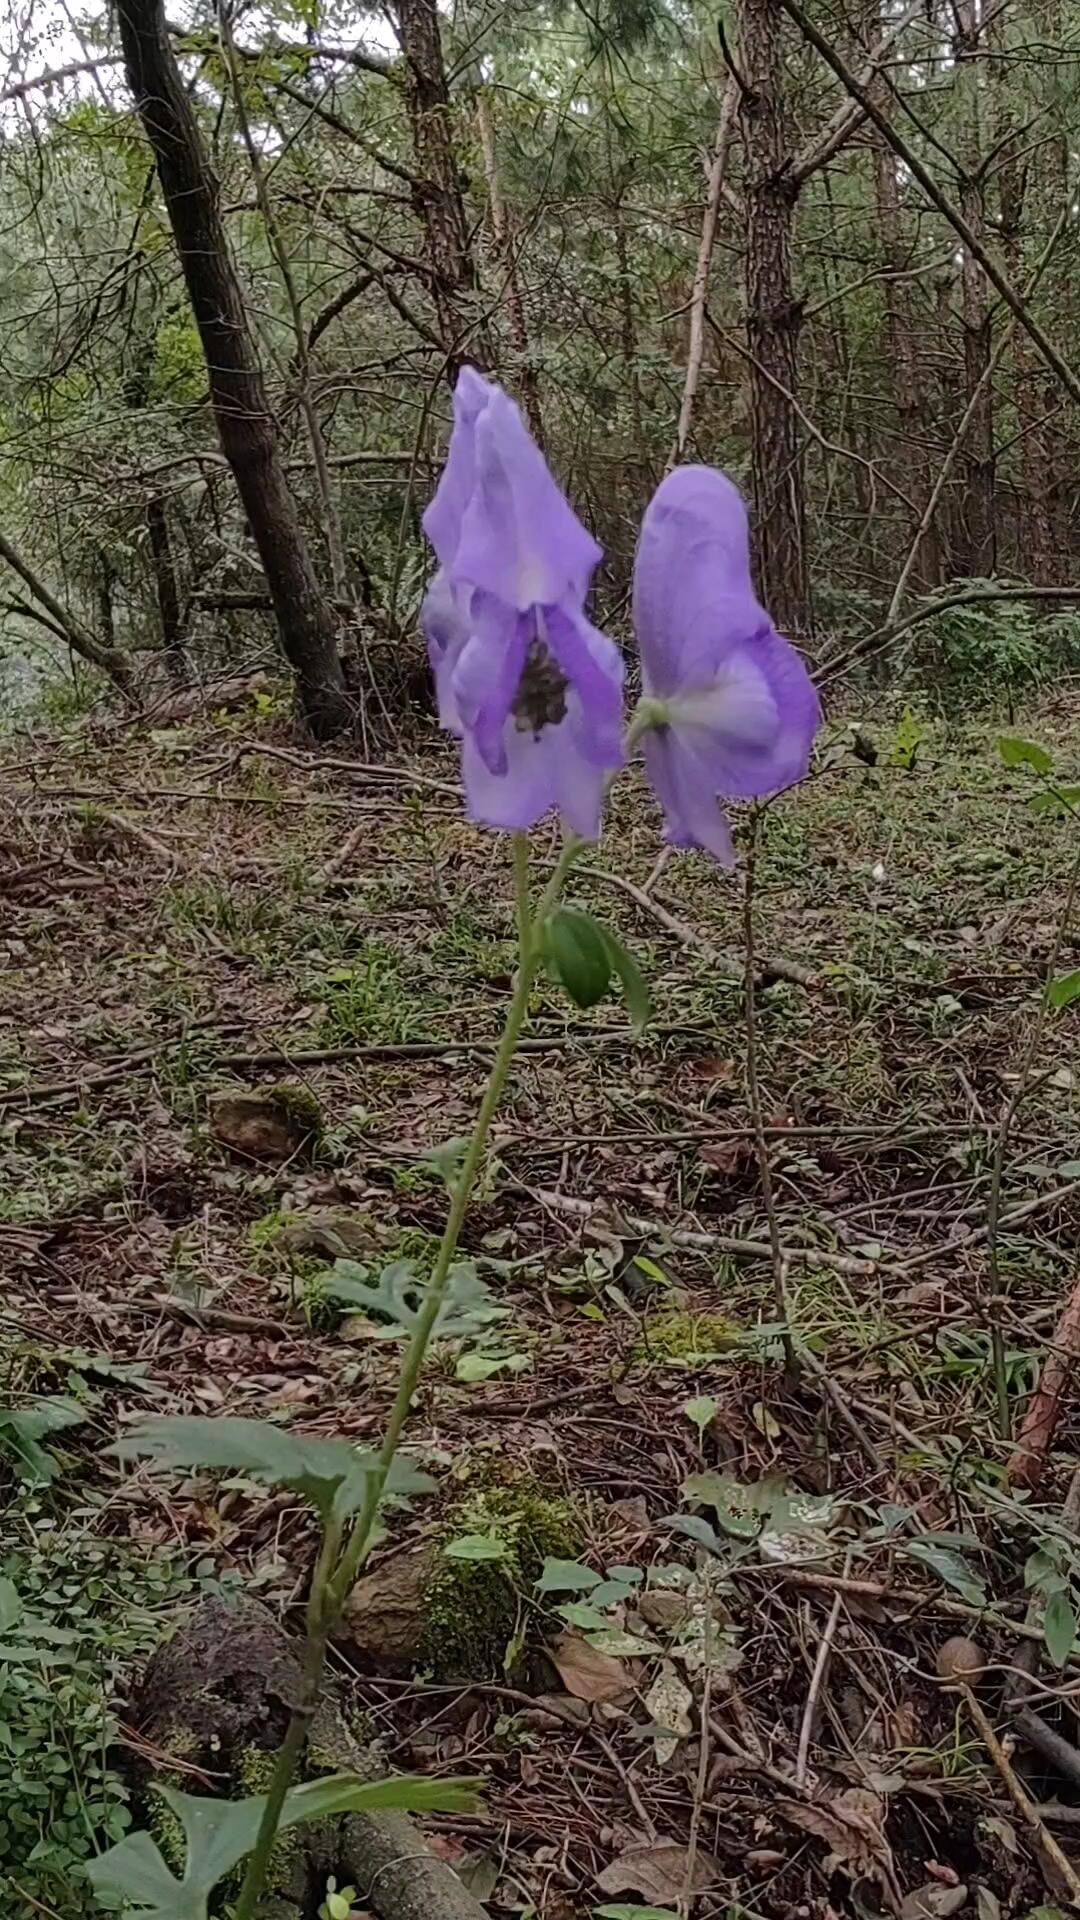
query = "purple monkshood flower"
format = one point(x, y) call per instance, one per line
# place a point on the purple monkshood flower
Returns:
point(530, 687)
point(735, 711)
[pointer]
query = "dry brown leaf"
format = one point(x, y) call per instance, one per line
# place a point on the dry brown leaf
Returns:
point(852, 1826)
point(658, 1871)
point(586, 1672)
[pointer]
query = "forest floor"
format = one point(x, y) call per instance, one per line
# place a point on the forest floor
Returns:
point(757, 1728)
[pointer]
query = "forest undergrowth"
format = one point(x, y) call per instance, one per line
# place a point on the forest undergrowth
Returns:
point(686, 1608)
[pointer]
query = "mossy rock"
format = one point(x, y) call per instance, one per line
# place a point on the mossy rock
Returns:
point(424, 1610)
point(682, 1339)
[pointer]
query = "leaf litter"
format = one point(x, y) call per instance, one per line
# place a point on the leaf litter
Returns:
point(140, 1240)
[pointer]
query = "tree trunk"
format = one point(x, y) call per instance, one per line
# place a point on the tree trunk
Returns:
point(237, 390)
point(161, 553)
point(774, 319)
point(439, 198)
point(503, 249)
point(976, 554)
point(898, 344)
point(628, 325)
point(1036, 548)
point(699, 291)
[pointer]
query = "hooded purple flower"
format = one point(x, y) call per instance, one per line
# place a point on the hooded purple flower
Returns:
point(736, 710)
point(531, 688)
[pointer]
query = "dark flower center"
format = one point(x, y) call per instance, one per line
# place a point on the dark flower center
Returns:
point(540, 700)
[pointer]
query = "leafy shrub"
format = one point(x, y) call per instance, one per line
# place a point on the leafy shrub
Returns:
point(76, 1613)
point(986, 655)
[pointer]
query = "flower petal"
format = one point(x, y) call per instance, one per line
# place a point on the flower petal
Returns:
point(446, 629)
point(520, 538)
point(693, 594)
point(542, 771)
point(594, 667)
point(487, 672)
point(457, 482)
point(692, 815)
point(754, 727)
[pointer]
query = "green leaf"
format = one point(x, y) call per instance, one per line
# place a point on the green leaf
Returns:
point(951, 1567)
point(11, 1607)
point(588, 1619)
point(399, 1292)
point(1059, 1626)
point(634, 1913)
point(1024, 753)
point(1061, 800)
point(634, 991)
point(477, 1546)
point(471, 1367)
point(1065, 989)
point(701, 1410)
point(577, 955)
point(219, 1833)
point(329, 1473)
point(21, 1428)
point(695, 1528)
point(567, 1576)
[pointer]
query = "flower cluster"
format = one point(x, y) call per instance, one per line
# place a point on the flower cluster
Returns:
point(534, 691)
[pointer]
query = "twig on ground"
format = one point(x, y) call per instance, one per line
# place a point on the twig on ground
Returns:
point(771, 970)
point(701, 1782)
point(1060, 1874)
point(817, 1681)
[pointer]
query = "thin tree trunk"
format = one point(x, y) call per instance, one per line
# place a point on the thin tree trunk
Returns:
point(695, 341)
point(774, 319)
point(245, 426)
point(975, 558)
point(628, 325)
point(168, 599)
point(503, 237)
point(331, 519)
point(79, 638)
point(439, 197)
point(1036, 547)
point(898, 339)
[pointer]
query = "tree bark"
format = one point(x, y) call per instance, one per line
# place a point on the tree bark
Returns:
point(695, 339)
point(976, 553)
point(168, 599)
point(898, 336)
point(237, 389)
point(1036, 544)
point(79, 638)
point(438, 197)
point(774, 320)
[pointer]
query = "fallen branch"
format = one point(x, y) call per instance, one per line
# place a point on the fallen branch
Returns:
point(1060, 1874)
point(700, 1242)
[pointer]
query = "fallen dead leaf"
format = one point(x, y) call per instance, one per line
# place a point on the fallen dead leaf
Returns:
point(586, 1672)
point(669, 1701)
point(658, 1870)
point(852, 1825)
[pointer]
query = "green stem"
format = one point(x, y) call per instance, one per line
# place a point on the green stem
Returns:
point(529, 935)
point(334, 1575)
point(319, 1622)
